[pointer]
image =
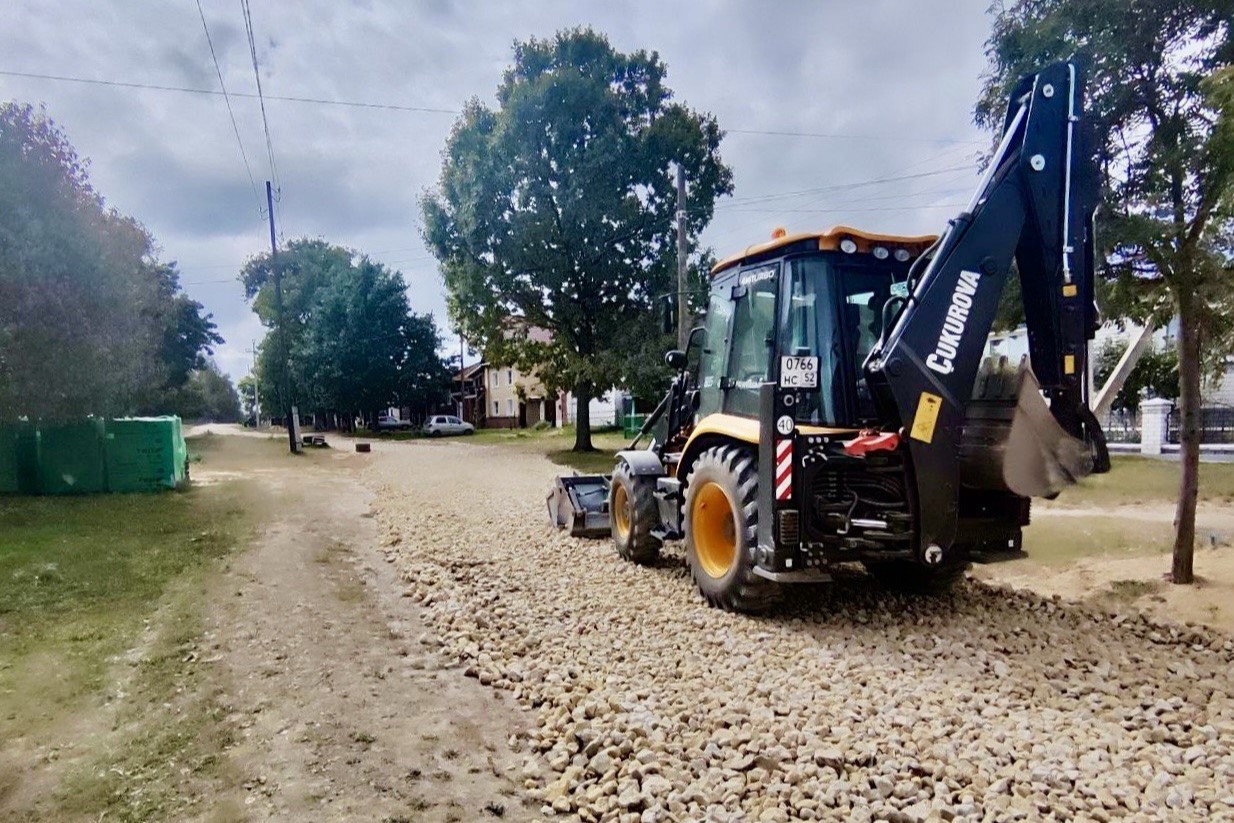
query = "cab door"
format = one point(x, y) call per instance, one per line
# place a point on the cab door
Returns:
point(752, 336)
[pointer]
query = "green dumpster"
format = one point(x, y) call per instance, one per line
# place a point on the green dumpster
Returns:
point(145, 454)
point(19, 458)
point(70, 457)
point(633, 423)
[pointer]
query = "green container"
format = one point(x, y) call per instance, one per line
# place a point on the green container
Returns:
point(19, 458)
point(145, 454)
point(633, 423)
point(70, 457)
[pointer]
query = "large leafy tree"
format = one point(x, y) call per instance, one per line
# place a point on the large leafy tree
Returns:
point(90, 321)
point(1161, 102)
point(353, 344)
point(555, 209)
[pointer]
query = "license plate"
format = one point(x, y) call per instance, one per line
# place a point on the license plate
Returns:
point(799, 372)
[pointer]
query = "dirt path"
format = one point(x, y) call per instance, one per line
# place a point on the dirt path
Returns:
point(342, 708)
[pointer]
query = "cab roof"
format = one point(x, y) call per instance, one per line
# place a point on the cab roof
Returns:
point(828, 240)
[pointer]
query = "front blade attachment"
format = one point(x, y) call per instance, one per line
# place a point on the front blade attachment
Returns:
point(1012, 441)
point(579, 503)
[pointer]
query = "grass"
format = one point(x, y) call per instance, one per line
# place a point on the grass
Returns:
point(1062, 540)
point(558, 446)
point(100, 603)
point(1133, 479)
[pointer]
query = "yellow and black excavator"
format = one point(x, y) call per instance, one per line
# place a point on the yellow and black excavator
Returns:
point(836, 406)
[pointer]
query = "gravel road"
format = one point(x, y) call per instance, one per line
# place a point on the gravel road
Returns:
point(849, 703)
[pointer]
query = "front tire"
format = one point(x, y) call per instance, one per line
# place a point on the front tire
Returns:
point(721, 526)
point(634, 513)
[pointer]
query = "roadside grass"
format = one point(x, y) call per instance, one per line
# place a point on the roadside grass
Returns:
point(1133, 479)
point(1062, 540)
point(557, 445)
point(100, 613)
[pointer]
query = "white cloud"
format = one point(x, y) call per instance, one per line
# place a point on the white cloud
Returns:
point(895, 75)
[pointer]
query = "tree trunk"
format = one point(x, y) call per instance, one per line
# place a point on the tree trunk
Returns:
point(582, 419)
point(1189, 438)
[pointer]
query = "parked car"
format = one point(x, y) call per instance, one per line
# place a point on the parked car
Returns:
point(387, 423)
point(447, 424)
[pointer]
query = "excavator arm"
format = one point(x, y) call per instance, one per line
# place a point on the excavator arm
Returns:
point(1035, 206)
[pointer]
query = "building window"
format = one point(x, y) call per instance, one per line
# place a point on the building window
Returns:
point(510, 408)
point(495, 376)
point(510, 376)
point(496, 408)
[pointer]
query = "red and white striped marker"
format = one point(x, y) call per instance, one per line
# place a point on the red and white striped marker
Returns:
point(784, 469)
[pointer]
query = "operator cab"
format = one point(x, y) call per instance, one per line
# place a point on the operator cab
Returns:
point(803, 310)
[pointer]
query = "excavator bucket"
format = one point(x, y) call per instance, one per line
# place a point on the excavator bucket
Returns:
point(580, 503)
point(1012, 441)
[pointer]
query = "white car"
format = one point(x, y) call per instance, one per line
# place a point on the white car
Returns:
point(447, 424)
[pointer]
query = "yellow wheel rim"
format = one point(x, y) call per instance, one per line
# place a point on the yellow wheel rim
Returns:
point(621, 510)
point(713, 526)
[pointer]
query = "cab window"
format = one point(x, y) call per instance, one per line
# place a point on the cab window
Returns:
point(753, 337)
point(715, 346)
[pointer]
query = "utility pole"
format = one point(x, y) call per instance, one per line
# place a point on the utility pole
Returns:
point(256, 398)
point(288, 407)
point(683, 319)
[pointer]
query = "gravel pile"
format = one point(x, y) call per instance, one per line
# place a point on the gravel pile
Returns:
point(848, 703)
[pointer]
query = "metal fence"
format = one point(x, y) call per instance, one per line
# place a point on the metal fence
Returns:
point(1216, 425)
point(1122, 426)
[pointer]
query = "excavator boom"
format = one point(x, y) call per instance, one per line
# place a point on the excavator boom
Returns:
point(1034, 206)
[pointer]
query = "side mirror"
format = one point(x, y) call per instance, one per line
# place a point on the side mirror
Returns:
point(676, 359)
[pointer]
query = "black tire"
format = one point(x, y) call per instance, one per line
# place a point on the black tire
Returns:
point(469, 431)
point(633, 512)
point(911, 577)
point(435, 433)
point(732, 585)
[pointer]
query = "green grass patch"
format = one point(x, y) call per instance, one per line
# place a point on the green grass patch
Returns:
point(100, 602)
point(1062, 539)
point(1133, 479)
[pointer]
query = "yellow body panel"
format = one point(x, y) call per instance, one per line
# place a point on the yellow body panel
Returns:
point(829, 241)
point(745, 429)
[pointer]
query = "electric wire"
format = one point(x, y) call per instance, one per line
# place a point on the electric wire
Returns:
point(322, 101)
point(265, 123)
point(231, 114)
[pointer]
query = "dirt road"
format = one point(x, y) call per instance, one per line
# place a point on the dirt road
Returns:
point(850, 703)
point(340, 706)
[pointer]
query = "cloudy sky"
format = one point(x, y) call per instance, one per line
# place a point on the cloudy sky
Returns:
point(822, 103)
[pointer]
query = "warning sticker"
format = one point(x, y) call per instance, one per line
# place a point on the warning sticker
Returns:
point(926, 418)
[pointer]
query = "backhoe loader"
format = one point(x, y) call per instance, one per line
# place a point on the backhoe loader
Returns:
point(836, 405)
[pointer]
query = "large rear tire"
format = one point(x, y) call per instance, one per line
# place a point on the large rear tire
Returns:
point(721, 525)
point(634, 513)
point(917, 578)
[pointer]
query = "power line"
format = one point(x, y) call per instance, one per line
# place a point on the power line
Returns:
point(737, 202)
point(839, 136)
point(227, 100)
point(212, 92)
point(265, 123)
point(842, 210)
point(321, 101)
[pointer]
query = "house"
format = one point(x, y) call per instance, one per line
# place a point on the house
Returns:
point(515, 400)
point(501, 397)
point(468, 392)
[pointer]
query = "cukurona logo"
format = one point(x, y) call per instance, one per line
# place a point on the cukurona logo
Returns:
point(942, 359)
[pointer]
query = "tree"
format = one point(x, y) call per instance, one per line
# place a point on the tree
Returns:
point(207, 394)
point(1155, 374)
point(354, 345)
point(90, 321)
point(1161, 104)
point(555, 210)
